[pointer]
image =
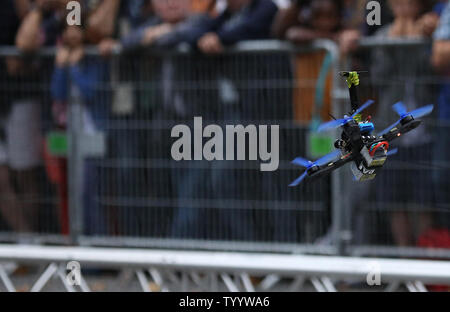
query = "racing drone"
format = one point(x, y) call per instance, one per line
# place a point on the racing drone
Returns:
point(367, 152)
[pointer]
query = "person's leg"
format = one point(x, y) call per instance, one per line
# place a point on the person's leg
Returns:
point(414, 191)
point(228, 186)
point(401, 228)
point(95, 217)
point(24, 144)
point(124, 149)
point(424, 223)
point(28, 195)
point(10, 209)
point(441, 175)
point(424, 193)
point(188, 221)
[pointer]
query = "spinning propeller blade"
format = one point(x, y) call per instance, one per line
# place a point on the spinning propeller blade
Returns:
point(308, 164)
point(423, 111)
point(400, 108)
point(403, 113)
point(363, 107)
point(340, 122)
point(299, 180)
point(332, 125)
point(392, 152)
point(301, 162)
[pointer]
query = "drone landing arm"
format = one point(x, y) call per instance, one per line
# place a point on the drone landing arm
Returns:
point(400, 130)
point(327, 169)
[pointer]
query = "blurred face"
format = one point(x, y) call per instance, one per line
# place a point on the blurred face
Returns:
point(325, 15)
point(172, 11)
point(406, 8)
point(73, 36)
point(236, 5)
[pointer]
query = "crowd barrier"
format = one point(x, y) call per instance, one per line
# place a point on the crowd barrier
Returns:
point(108, 178)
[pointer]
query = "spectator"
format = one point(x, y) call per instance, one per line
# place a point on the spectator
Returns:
point(71, 65)
point(101, 22)
point(398, 80)
point(11, 209)
point(135, 12)
point(441, 62)
point(75, 74)
point(85, 75)
point(305, 21)
point(172, 24)
point(242, 20)
point(204, 6)
point(439, 7)
point(354, 14)
point(301, 23)
point(40, 28)
point(24, 125)
point(322, 21)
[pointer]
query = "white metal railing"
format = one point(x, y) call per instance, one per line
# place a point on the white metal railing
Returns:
point(323, 271)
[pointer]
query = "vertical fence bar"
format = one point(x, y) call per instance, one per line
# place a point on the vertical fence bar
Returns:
point(337, 204)
point(75, 169)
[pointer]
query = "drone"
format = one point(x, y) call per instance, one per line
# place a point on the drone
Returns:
point(357, 145)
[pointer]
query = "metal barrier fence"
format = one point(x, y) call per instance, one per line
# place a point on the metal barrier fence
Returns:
point(116, 173)
point(148, 199)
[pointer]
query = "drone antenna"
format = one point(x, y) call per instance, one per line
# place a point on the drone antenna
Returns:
point(352, 79)
point(332, 116)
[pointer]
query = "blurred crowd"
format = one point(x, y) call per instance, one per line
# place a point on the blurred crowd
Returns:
point(207, 27)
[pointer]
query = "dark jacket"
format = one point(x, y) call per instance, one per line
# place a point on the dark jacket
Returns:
point(253, 22)
point(184, 32)
point(90, 77)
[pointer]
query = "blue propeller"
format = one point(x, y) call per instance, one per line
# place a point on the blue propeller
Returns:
point(340, 122)
point(309, 164)
point(401, 110)
point(392, 152)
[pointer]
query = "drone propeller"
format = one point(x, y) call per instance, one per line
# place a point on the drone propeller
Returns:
point(340, 122)
point(309, 164)
point(416, 114)
point(392, 152)
point(402, 111)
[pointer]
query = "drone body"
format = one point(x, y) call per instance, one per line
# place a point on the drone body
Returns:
point(366, 152)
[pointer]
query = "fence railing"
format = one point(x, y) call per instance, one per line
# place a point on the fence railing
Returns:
point(109, 178)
